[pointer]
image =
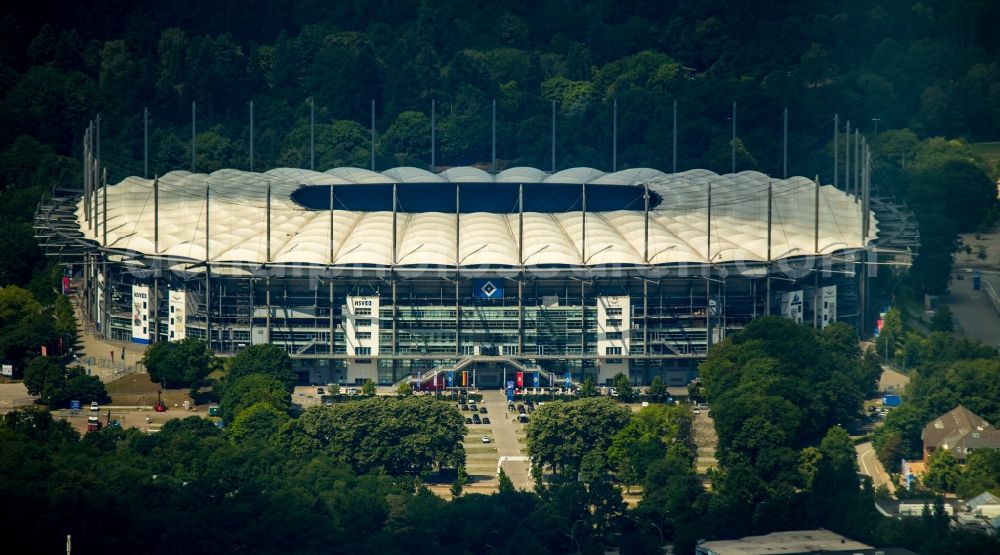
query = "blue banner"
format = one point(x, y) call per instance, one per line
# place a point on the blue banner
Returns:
point(569, 380)
point(487, 288)
point(451, 378)
point(536, 380)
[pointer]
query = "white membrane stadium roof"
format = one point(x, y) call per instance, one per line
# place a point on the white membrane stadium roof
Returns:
point(678, 230)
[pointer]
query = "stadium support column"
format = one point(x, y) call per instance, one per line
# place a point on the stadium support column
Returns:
point(208, 274)
point(816, 256)
point(156, 215)
point(583, 325)
point(395, 310)
point(857, 163)
point(836, 154)
point(847, 159)
point(583, 232)
point(106, 295)
point(645, 320)
point(458, 321)
point(520, 259)
point(767, 296)
point(645, 229)
point(145, 142)
point(104, 207)
point(155, 301)
point(267, 278)
point(458, 227)
point(708, 225)
point(330, 284)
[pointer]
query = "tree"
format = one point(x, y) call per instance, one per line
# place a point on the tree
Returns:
point(561, 433)
point(24, 326)
point(57, 385)
point(981, 473)
point(943, 320)
point(179, 363)
point(249, 390)
point(624, 387)
point(368, 388)
point(658, 389)
point(646, 439)
point(395, 434)
point(260, 421)
point(587, 388)
point(943, 471)
point(504, 483)
point(404, 389)
point(269, 360)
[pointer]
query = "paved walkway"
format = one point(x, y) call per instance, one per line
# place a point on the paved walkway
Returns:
point(505, 437)
point(14, 395)
point(706, 441)
point(102, 357)
point(869, 465)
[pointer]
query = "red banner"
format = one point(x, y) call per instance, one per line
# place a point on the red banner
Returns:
point(520, 380)
point(465, 377)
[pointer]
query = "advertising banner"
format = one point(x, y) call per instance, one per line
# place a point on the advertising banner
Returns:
point(520, 380)
point(828, 305)
point(177, 304)
point(140, 314)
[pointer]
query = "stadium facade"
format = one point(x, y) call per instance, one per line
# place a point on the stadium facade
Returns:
point(465, 277)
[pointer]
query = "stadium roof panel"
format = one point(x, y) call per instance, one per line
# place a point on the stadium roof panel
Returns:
point(678, 225)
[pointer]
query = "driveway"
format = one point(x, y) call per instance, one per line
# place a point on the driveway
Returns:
point(975, 317)
point(869, 465)
point(505, 437)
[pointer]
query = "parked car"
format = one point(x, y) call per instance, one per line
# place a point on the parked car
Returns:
point(486, 439)
point(520, 408)
point(523, 418)
point(476, 419)
point(320, 391)
point(93, 424)
point(94, 407)
point(465, 407)
point(486, 420)
point(511, 407)
point(468, 420)
point(482, 410)
point(473, 407)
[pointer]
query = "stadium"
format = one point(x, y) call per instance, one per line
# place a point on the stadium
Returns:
point(463, 277)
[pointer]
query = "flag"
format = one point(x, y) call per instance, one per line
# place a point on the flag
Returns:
point(520, 380)
point(465, 378)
